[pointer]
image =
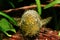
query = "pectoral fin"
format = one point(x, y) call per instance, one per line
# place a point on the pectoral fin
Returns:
point(45, 21)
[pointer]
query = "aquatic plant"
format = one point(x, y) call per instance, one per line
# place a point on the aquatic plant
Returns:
point(6, 24)
point(10, 2)
point(38, 3)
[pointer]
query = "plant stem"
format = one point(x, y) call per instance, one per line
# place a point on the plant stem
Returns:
point(38, 6)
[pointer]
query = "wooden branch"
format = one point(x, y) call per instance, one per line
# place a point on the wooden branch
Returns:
point(26, 7)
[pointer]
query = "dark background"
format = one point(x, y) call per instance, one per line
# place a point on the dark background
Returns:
point(54, 12)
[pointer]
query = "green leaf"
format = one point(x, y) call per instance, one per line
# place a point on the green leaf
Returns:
point(10, 18)
point(6, 26)
point(58, 1)
point(52, 4)
point(38, 6)
point(11, 3)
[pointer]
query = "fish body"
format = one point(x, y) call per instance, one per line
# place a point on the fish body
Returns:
point(31, 23)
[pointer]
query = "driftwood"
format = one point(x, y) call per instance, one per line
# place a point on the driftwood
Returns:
point(26, 7)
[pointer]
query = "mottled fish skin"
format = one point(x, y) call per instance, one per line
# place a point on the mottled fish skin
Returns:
point(30, 23)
